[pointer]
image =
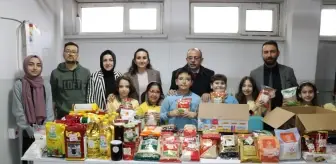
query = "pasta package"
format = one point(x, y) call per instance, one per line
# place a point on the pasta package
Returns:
point(208, 147)
point(190, 151)
point(189, 130)
point(183, 105)
point(74, 142)
point(217, 97)
point(290, 142)
point(289, 96)
point(93, 142)
point(268, 149)
point(247, 149)
point(170, 152)
point(228, 147)
point(55, 139)
point(266, 94)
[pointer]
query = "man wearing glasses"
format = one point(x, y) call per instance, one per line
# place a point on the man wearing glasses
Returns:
point(202, 75)
point(69, 82)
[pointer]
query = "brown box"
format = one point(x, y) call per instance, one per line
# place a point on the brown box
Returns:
point(306, 119)
point(223, 117)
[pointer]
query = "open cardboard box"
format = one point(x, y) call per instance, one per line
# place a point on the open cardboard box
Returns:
point(306, 119)
point(223, 117)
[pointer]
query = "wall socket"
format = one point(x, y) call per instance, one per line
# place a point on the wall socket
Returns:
point(13, 133)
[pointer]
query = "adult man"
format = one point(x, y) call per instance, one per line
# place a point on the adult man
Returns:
point(273, 74)
point(69, 81)
point(202, 75)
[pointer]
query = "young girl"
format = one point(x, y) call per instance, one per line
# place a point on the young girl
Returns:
point(124, 97)
point(32, 100)
point(247, 94)
point(153, 98)
point(306, 94)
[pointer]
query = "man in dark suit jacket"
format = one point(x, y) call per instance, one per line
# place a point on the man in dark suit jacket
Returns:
point(273, 74)
point(202, 75)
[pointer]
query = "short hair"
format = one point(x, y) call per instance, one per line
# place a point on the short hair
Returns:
point(271, 42)
point(195, 49)
point(184, 70)
point(218, 77)
point(71, 44)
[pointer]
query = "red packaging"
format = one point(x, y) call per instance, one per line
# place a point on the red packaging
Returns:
point(128, 151)
point(183, 104)
point(170, 152)
point(190, 153)
point(189, 131)
point(74, 142)
point(320, 141)
point(208, 147)
point(266, 94)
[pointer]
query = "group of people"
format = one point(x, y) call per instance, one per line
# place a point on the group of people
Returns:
point(36, 102)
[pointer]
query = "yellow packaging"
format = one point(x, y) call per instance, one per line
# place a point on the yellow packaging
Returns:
point(105, 139)
point(83, 108)
point(93, 141)
point(248, 153)
point(55, 139)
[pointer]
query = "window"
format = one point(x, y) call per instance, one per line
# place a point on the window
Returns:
point(122, 18)
point(235, 19)
point(328, 21)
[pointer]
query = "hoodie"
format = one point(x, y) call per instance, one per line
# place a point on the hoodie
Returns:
point(68, 87)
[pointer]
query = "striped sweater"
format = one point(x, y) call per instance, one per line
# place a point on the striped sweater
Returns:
point(96, 88)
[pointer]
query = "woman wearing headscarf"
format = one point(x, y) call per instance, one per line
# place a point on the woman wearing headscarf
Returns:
point(32, 100)
point(102, 82)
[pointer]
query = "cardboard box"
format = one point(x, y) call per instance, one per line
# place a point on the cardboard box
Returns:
point(223, 117)
point(306, 119)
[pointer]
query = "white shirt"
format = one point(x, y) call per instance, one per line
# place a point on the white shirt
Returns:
point(143, 82)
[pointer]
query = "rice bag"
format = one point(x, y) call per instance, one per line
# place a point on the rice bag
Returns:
point(74, 142)
point(150, 118)
point(228, 147)
point(55, 139)
point(247, 149)
point(170, 152)
point(149, 149)
point(93, 141)
point(289, 96)
point(190, 151)
point(208, 147)
point(290, 143)
point(268, 149)
point(217, 97)
point(266, 94)
point(183, 105)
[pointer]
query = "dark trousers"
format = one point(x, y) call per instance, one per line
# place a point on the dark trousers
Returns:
point(26, 142)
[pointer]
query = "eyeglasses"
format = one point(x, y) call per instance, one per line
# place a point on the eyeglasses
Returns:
point(154, 92)
point(70, 52)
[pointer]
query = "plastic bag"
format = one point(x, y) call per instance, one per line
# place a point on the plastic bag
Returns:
point(170, 152)
point(208, 147)
point(247, 149)
point(290, 142)
point(55, 139)
point(217, 97)
point(183, 105)
point(74, 142)
point(93, 141)
point(150, 119)
point(151, 131)
point(190, 151)
point(289, 96)
point(266, 94)
point(149, 149)
point(106, 136)
point(228, 147)
point(268, 149)
point(189, 130)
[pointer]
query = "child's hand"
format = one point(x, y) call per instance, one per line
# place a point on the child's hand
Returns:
point(172, 92)
point(205, 97)
point(174, 113)
point(157, 116)
point(111, 97)
point(189, 114)
point(260, 103)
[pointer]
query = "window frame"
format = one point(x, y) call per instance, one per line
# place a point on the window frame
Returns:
point(127, 6)
point(241, 18)
point(331, 6)
point(267, 6)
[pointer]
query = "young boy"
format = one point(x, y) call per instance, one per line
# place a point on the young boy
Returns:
point(169, 111)
point(218, 84)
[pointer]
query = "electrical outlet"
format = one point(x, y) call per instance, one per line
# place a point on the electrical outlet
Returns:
point(13, 133)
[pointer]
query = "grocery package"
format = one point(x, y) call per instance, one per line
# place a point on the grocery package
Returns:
point(320, 141)
point(93, 140)
point(130, 133)
point(170, 152)
point(290, 143)
point(183, 105)
point(149, 149)
point(289, 96)
point(74, 142)
point(127, 114)
point(247, 148)
point(208, 145)
point(257, 133)
point(168, 128)
point(217, 97)
point(228, 148)
point(150, 118)
point(83, 108)
point(128, 151)
point(126, 103)
point(268, 149)
point(189, 130)
point(190, 151)
point(55, 139)
point(266, 94)
point(151, 131)
point(106, 136)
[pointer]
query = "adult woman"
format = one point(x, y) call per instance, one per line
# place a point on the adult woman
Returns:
point(141, 71)
point(32, 100)
point(103, 82)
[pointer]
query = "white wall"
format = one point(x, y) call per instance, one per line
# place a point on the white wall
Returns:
point(43, 14)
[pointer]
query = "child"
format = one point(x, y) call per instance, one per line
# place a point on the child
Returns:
point(169, 111)
point(247, 94)
point(218, 84)
point(153, 97)
point(306, 94)
point(124, 97)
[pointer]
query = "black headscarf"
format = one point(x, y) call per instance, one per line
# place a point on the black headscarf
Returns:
point(109, 78)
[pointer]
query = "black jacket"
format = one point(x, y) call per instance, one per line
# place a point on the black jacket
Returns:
point(201, 82)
